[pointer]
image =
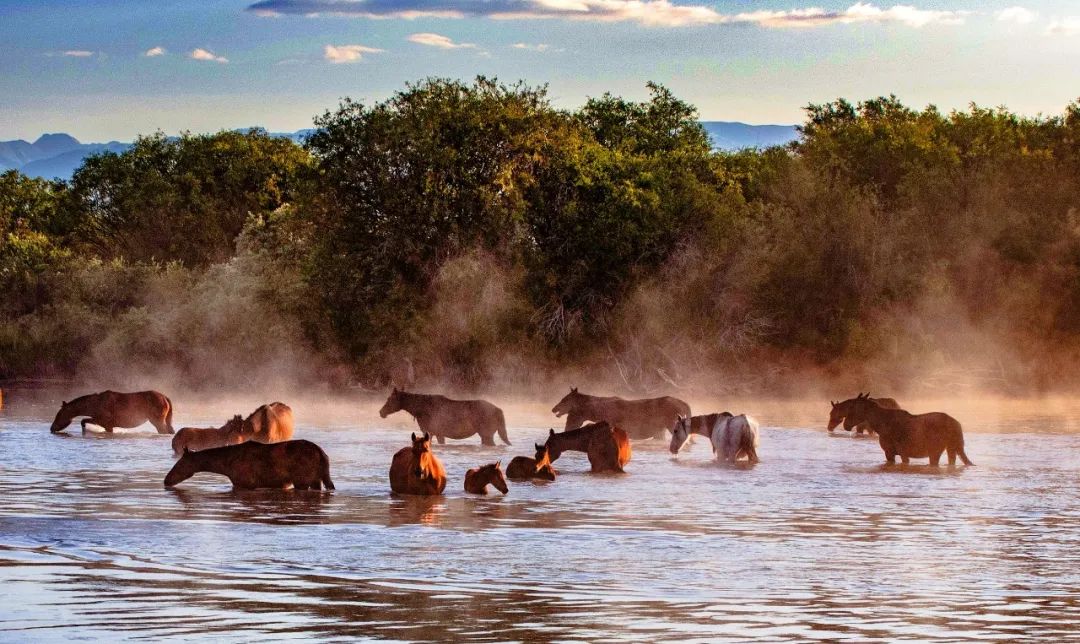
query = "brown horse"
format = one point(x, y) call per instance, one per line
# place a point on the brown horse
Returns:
point(645, 418)
point(110, 409)
point(841, 411)
point(272, 423)
point(416, 470)
point(478, 478)
point(911, 436)
point(300, 464)
point(524, 468)
point(445, 418)
point(608, 447)
point(200, 438)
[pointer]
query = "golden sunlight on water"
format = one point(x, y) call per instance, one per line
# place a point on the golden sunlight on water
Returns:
point(818, 542)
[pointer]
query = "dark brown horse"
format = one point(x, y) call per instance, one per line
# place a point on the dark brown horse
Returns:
point(524, 468)
point(841, 411)
point(645, 418)
point(445, 418)
point(911, 436)
point(416, 470)
point(301, 464)
point(200, 438)
point(608, 447)
point(111, 409)
point(478, 478)
point(271, 423)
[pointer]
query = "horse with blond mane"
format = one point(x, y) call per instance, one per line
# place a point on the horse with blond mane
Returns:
point(416, 470)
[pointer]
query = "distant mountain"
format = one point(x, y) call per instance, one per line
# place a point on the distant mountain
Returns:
point(51, 155)
point(727, 135)
point(59, 155)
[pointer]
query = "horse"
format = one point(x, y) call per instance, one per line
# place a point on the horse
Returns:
point(477, 479)
point(640, 419)
point(911, 435)
point(199, 438)
point(608, 447)
point(270, 423)
point(524, 468)
point(732, 436)
point(445, 418)
point(110, 409)
point(841, 410)
point(299, 464)
point(416, 470)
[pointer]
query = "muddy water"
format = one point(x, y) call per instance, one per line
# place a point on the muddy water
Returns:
point(816, 542)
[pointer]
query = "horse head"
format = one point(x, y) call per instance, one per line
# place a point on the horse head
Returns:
point(63, 418)
point(236, 425)
point(837, 414)
point(421, 449)
point(542, 466)
point(680, 431)
point(568, 403)
point(494, 475)
point(392, 404)
point(184, 469)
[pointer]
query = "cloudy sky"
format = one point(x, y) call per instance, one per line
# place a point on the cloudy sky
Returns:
point(111, 69)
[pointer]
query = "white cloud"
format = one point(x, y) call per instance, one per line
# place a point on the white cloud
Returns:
point(154, 51)
point(537, 47)
point(202, 54)
point(660, 13)
point(77, 53)
point(347, 53)
point(1065, 27)
point(1019, 15)
point(436, 40)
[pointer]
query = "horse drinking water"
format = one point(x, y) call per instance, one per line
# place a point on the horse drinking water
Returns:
point(111, 409)
point(300, 464)
point(731, 436)
point(445, 418)
point(608, 447)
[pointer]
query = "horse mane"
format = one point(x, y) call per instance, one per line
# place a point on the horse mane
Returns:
point(575, 433)
point(84, 398)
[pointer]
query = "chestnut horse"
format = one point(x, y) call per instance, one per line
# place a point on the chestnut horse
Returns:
point(301, 464)
point(478, 478)
point(608, 447)
point(841, 410)
point(445, 418)
point(270, 423)
point(416, 470)
point(732, 436)
point(200, 438)
point(525, 468)
point(645, 418)
point(110, 409)
point(909, 435)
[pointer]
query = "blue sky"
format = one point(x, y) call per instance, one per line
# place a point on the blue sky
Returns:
point(84, 68)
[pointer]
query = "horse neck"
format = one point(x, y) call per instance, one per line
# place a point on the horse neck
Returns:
point(877, 415)
point(212, 460)
point(82, 406)
point(700, 427)
point(575, 439)
point(415, 403)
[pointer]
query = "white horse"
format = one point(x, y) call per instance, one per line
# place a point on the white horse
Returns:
point(731, 436)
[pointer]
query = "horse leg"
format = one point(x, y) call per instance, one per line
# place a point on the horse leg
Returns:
point(934, 459)
point(890, 458)
point(905, 460)
point(952, 456)
point(441, 439)
point(487, 439)
point(160, 426)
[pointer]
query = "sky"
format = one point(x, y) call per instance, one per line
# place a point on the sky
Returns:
point(110, 70)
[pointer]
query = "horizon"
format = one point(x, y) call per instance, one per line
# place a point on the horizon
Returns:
point(116, 70)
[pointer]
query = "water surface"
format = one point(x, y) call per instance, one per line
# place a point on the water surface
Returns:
point(818, 542)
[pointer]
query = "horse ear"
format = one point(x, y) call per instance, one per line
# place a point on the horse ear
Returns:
point(551, 432)
point(573, 390)
point(187, 450)
point(498, 464)
point(538, 446)
point(414, 437)
point(63, 403)
point(427, 436)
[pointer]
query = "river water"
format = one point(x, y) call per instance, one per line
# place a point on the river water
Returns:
point(817, 542)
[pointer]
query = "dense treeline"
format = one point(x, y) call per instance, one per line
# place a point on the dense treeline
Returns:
point(490, 238)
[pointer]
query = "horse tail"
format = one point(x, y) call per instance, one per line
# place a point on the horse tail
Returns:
point(502, 426)
point(168, 416)
point(324, 475)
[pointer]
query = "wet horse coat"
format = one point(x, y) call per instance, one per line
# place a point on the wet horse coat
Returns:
point(731, 436)
point(111, 409)
point(478, 478)
point(444, 417)
point(608, 447)
point(640, 419)
point(298, 464)
point(523, 468)
point(416, 470)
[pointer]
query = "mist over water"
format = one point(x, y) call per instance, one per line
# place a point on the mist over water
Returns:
point(817, 542)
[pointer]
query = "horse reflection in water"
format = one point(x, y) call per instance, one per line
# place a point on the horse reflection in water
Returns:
point(273, 507)
point(732, 436)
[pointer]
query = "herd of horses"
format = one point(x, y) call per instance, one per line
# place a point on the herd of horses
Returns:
point(259, 452)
